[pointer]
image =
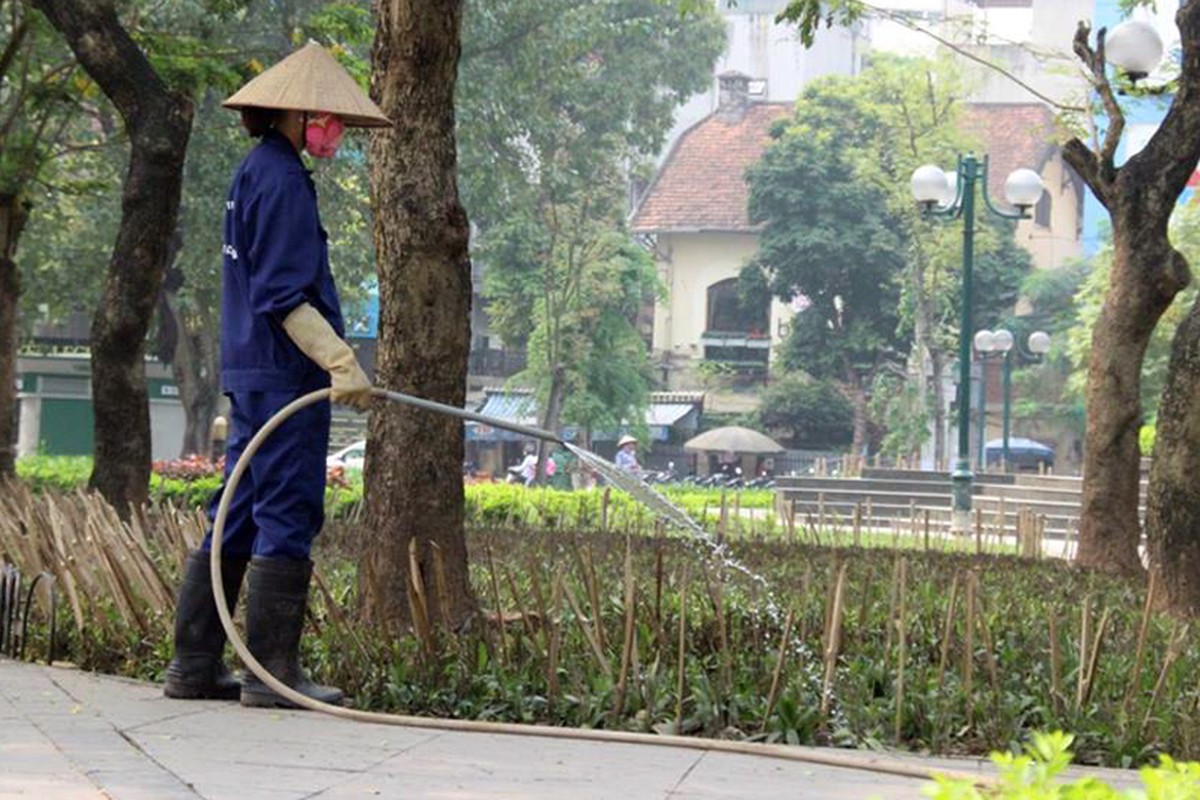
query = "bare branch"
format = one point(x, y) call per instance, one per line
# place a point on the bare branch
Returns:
point(1169, 159)
point(967, 54)
point(1086, 163)
point(1095, 62)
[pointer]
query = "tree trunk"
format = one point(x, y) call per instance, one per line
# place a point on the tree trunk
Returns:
point(194, 365)
point(858, 400)
point(1173, 500)
point(13, 215)
point(414, 488)
point(937, 368)
point(158, 122)
point(188, 342)
point(1145, 276)
point(550, 420)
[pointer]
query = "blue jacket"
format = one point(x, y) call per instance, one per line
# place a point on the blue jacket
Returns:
point(275, 257)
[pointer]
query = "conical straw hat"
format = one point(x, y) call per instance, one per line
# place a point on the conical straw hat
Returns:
point(311, 80)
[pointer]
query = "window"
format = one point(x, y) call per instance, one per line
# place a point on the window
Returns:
point(1041, 212)
point(728, 314)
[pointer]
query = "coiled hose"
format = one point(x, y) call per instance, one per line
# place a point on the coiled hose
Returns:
point(846, 759)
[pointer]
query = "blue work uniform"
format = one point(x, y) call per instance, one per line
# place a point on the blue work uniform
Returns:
point(275, 257)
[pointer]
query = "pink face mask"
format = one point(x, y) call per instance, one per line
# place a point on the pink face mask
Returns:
point(323, 135)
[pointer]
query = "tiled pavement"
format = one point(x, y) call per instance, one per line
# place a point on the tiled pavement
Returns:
point(70, 735)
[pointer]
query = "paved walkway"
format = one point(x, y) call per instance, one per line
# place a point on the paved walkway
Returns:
point(70, 735)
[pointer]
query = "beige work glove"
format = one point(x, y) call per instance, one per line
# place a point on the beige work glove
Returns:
point(317, 339)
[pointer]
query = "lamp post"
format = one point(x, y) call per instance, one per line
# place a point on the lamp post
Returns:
point(985, 346)
point(1036, 346)
point(937, 196)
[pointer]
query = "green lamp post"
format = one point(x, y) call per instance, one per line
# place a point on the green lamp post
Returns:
point(1002, 342)
point(938, 195)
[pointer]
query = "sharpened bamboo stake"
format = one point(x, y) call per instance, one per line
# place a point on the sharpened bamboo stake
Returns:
point(834, 643)
point(902, 634)
point(682, 661)
point(773, 694)
point(628, 642)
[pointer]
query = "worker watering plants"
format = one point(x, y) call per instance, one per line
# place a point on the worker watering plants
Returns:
point(281, 337)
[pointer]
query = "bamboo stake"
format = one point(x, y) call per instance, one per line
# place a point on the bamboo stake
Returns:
point(968, 662)
point(681, 674)
point(1095, 658)
point(947, 633)
point(1084, 624)
point(495, 584)
point(985, 631)
point(773, 694)
point(588, 632)
point(554, 645)
point(902, 633)
point(1056, 692)
point(1178, 636)
point(627, 647)
point(1143, 629)
point(834, 643)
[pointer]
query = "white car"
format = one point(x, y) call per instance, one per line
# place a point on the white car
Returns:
point(349, 457)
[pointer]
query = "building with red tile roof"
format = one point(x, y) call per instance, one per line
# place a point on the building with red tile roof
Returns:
point(695, 213)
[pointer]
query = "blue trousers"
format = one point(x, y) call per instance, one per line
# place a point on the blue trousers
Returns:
point(280, 502)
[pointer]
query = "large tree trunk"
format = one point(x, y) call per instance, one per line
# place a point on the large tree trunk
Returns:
point(187, 340)
point(414, 488)
point(1173, 500)
point(195, 367)
point(13, 215)
point(158, 122)
point(1145, 276)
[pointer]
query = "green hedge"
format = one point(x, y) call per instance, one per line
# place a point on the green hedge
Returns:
point(486, 503)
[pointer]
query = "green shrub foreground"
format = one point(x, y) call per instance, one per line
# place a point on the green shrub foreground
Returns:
point(933, 652)
point(1036, 774)
point(632, 629)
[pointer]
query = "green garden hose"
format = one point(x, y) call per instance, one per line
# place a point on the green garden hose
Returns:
point(844, 759)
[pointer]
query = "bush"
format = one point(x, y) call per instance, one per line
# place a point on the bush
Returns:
point(63, 473)
point(1034, 775)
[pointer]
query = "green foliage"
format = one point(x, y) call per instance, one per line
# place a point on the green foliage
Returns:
point(1036, 774)
point(556, 102)
point(897, 404)
point(810, 15)
point(1185, 236)
point(805, 412)
point(828, 236)
point(841, 230)
point(61, 473)
point(1146, 437)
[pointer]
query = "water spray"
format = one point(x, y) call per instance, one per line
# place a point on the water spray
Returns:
point(622, 479)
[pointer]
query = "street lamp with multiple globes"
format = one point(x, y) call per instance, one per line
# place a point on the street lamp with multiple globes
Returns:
point(939, 196)
point(1002, 342)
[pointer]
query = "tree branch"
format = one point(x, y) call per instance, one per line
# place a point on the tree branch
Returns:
point(900, 19)
point(1095, 62)
point(1169, 159)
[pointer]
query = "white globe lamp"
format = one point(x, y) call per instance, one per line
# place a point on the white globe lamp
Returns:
point(1135, 47)
point(929, 186)
point(1023, 188)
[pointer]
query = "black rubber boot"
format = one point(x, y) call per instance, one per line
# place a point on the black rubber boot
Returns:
point(275, 603)
point(197, 671)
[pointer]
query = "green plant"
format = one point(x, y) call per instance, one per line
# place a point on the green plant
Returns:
point(1035, 775)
